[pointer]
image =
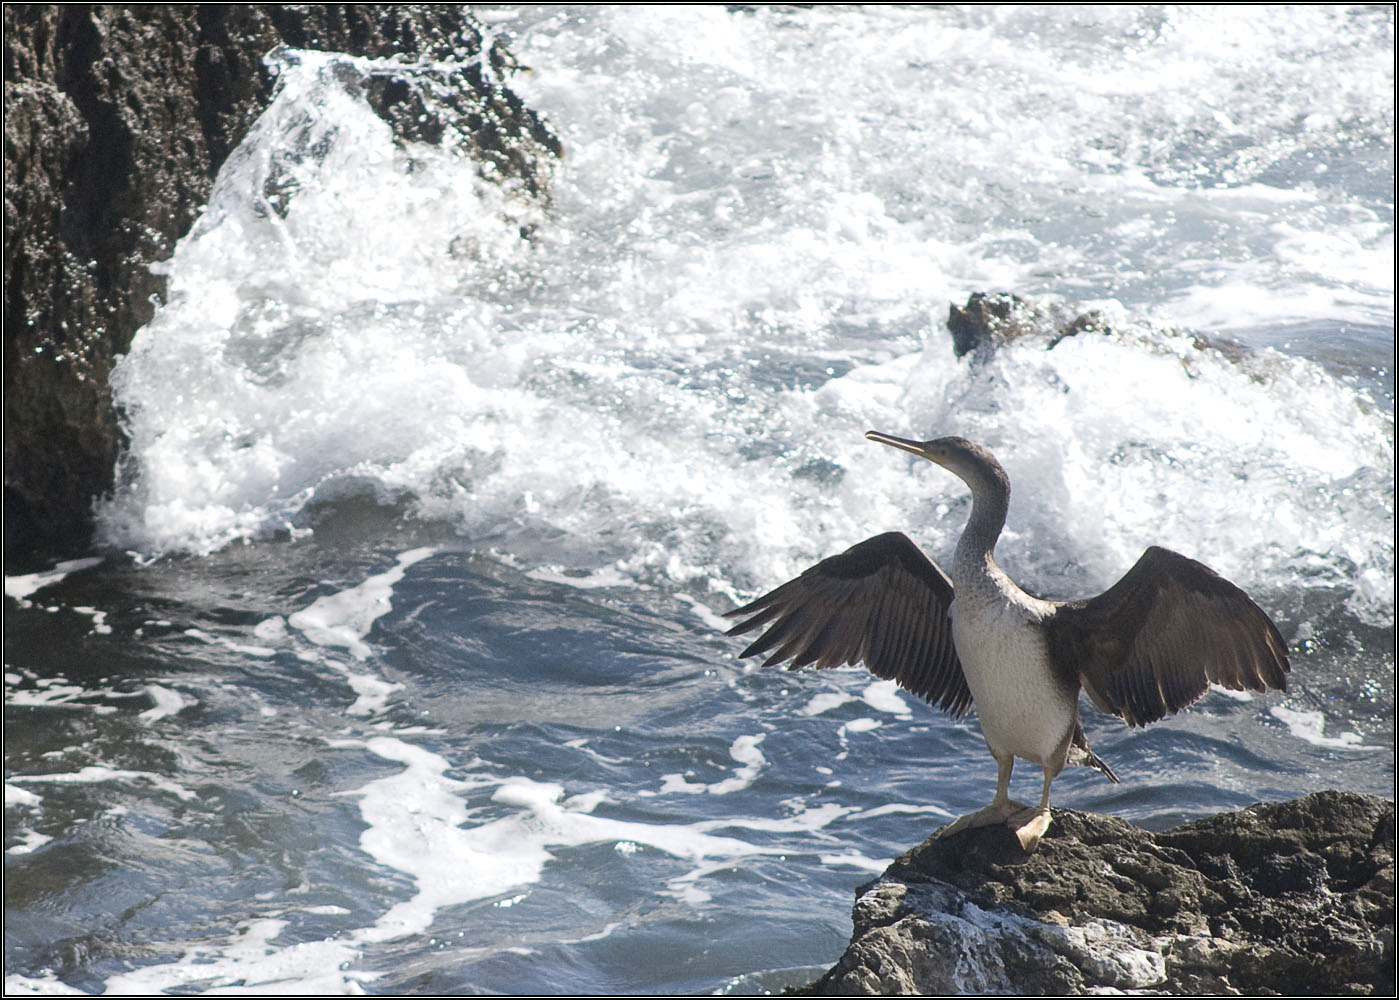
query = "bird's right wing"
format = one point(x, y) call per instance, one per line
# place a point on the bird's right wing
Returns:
point(881, 601)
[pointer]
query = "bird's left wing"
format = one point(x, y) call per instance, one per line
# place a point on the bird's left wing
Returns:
point(881, 601)
point(1154, 641)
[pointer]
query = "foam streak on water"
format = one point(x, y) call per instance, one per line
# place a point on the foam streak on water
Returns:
point(478, 836)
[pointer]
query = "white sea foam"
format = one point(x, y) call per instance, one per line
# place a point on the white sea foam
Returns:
point(39, 986)
point(249, 959)
point(99, 619)
point(27, 841)
point(20, 797)
point(344, 618)
point(701, 611)
point(824, 702)
point(856, 861)
point(885, 696)
point(418, 816)
point(59, 692)
point(97, 773)
point(899, 807)
point(605, 577)
point(681, 327)
point(744, 750)
point(21, 587)
point(1311, 726)
point(167, 702)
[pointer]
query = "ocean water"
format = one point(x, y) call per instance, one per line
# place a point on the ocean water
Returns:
point(400, 668)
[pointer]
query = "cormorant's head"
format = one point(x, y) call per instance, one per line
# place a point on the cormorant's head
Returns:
point(976, 466)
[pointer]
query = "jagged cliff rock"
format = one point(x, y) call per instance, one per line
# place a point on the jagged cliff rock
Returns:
point(117, 119)
point(1290, 898)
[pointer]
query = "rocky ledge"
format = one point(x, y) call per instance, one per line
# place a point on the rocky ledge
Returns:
point(1290, 898)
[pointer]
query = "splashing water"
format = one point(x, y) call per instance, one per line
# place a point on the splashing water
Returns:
point(457, 717)
point(673, 373)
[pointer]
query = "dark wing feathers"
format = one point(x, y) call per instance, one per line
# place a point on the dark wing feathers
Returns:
point(1154, 642)
point(881, 601)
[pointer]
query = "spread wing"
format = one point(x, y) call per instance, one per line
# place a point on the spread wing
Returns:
point(881, 601)
point(1154, 642)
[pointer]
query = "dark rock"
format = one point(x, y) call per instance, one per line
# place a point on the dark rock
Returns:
point(987, 321)
point(117, 119)
point(1292, 899)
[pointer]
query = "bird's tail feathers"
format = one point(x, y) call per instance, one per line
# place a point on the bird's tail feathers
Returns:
point(1088, 758)
point(1081, 753)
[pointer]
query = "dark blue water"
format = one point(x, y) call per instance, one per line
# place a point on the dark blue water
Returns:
point(521, 786)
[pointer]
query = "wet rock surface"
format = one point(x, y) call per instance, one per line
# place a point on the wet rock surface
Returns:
point(989, 320)
point(1291, 899)
point(117, 119)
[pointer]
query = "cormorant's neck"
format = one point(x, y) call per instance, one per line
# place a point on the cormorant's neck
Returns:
point(990, 502)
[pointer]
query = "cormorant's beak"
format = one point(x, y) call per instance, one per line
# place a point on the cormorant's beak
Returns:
point(914, 446)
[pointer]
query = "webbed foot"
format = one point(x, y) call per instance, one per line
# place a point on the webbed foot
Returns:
point(1029, 826)
point(996, 812)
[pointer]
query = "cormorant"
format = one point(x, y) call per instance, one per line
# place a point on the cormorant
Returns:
point(1148, 646)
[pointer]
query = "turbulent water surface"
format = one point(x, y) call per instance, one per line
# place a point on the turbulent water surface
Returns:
point(401, 669)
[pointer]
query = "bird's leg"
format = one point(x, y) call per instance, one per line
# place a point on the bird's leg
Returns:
point(1002, 807)
point(1030, 824)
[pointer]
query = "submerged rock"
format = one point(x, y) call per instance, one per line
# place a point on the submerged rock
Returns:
point(1291, 898)
point(117, 119)
point(987, 321)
